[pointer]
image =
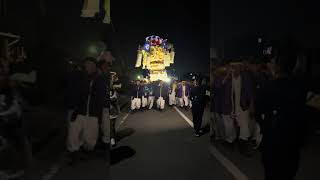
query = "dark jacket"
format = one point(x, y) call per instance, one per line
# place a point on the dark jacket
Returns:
point(226, 93)
point(150, 89)
point(11, 126)
point(282, 102)
point(137, 91)
point(179, 90)
point(198, 98)
point(97, 87)
point(72, 84)
point(146, 89)
point(217, 99)
point(102, 89)
point(163, 89)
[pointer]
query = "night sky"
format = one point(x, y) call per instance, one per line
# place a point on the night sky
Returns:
point(232, 24)
point(186, 25)
point(235, 25)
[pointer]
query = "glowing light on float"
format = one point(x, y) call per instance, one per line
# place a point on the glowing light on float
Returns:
point(155, 55)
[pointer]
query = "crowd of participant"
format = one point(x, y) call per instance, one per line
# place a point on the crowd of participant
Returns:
point(184, 94)
point(261, 105)
point(149, 95)
point(233, 104)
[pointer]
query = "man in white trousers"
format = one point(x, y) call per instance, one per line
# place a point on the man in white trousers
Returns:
point(172, 95)
point(240, 99)
point(182, 93)
point(160, 95)
point(136, 96)
point(145, 94)
point(151, 95)
point(83, 126)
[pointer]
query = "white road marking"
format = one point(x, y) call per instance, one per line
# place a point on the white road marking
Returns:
point(184, 117)
point(237, 174)
point(125, 117)
point(122, 121)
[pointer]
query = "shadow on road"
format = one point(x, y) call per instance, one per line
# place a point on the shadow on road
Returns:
point(121, 153)
point(206, 129)
point(125, 133)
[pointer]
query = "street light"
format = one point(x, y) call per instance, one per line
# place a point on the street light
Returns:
point(92, 50)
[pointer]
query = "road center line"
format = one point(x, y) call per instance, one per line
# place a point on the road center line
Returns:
point(184, 117)
point(237, 174)
point(122, 121)
point(228, 164)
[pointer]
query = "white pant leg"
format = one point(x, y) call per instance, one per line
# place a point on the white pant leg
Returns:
point(74, 140)
point(181, 102)
point(161, 103)
point(243, 119)
point(190, 103)
point(133, 104)
point(151, 100)
point(145, 102)
point(142, 101)
point(256, 132)
point(186, 101)
point(106, 126)
point(172, 99)
point(138, 103)
point(158, 103)
point(258, 135)
point(230, 131)
point(90, 132)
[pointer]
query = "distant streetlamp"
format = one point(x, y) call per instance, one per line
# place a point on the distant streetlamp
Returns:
point(92, 50)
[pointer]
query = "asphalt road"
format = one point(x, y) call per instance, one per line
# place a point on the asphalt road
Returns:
point(161, 145)
point(53, 163)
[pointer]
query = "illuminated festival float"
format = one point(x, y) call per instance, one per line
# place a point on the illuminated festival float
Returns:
point(155, 55)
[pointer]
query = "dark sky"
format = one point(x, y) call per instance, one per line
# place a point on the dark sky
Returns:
point(236, 24)
point(186, 25)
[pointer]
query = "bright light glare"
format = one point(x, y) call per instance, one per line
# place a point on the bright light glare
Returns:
point(168, 80)
point(139, 77)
